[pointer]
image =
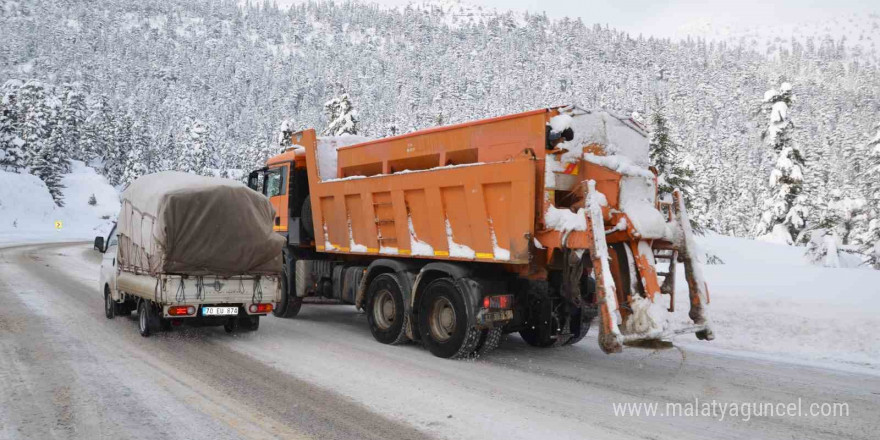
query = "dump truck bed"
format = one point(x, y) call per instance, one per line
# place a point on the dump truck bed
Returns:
point(464, 192)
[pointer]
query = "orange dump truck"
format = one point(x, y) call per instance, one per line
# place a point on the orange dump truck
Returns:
point(535, 223)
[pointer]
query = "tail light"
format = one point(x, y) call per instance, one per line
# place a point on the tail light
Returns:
point(498, 302)
point(260, 308)
point(181, 310)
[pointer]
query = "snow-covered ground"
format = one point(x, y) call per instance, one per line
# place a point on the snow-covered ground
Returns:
point(767, 301)
point(28, 214)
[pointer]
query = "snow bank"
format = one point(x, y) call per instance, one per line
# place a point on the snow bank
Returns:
point(327, 146)
point(768, 301)
point(28, 213)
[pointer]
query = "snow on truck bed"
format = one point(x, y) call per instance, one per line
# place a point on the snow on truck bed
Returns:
point(327, 158)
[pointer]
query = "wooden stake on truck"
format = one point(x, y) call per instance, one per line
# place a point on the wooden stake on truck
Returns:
point(534, 223)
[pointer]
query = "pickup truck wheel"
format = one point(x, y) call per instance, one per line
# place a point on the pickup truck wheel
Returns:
point(443, 321)
point(109, 304)
point(386, 311)
point(145, 319)
point(249, 323)
point(231, 325)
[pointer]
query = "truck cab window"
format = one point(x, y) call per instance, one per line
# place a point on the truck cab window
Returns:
point(275, 181)
point(112, 239)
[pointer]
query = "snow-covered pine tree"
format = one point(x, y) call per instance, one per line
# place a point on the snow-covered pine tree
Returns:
point(871, 179)
point(11, 145)
point(136, 156)
point(674, 169)
point(342, 116)
point(71, 119)
point(285, 131)
point(196, 153)
point(116, 151)
point(785, 211)
point(98, 132)
point(46, 166)
point(35, 123)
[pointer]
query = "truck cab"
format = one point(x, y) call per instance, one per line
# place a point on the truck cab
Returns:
point(284, 180)
point(108, 246)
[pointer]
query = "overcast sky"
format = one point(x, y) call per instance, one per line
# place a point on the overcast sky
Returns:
point(664, 17)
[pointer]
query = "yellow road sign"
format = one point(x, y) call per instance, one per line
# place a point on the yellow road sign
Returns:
point(58, 224)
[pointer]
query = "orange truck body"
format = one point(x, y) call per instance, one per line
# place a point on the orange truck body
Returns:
point(472, 193)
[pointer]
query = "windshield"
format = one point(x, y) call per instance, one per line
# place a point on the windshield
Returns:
point(275, 181)
point(112, 239)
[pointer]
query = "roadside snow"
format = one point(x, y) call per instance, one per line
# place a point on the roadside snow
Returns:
point(768, 301)
point(28, 213)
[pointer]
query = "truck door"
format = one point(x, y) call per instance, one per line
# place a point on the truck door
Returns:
point(276, 190)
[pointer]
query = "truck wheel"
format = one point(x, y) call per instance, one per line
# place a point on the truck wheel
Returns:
point(305, 218)
point(290, 303)
point(386, 311)
point(443, 321)
point(109, 304)
point(580, 325)
point(489, 340)
point(583, 317)
point(146, 319)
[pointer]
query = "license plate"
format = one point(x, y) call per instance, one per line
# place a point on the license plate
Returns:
point(219, 311)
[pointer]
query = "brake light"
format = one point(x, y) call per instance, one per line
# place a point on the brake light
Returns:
point(260, 308)
point(181, 310)
point(498, 302)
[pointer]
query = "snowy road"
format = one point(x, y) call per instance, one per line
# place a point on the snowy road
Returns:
point(67, 372)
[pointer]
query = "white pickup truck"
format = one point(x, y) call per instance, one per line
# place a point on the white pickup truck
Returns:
point(191, 250)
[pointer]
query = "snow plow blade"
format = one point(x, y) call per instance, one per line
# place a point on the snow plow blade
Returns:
point(628, 284)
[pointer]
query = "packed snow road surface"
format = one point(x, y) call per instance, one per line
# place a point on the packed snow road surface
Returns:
point(67, 372)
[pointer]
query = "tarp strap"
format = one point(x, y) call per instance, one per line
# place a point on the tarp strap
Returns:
point(181, 292)
point(200, 288)
point(257, 297)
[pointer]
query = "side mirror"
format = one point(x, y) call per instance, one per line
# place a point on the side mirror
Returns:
point(99, 244)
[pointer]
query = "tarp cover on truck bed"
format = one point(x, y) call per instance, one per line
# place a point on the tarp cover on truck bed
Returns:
point(178, 223)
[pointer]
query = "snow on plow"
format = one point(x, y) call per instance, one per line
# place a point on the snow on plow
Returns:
point(624, 230)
